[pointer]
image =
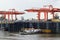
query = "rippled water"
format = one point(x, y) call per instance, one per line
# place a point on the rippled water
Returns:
point(13, 36)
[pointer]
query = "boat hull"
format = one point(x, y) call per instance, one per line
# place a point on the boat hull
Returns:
point(17, 26)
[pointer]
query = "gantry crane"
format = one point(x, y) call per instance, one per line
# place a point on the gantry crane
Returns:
point(13, 12)
point(45, 10)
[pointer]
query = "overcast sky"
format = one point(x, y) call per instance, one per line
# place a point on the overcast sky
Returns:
point(21, 5)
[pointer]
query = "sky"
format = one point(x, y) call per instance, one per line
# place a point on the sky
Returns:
point(21, 5)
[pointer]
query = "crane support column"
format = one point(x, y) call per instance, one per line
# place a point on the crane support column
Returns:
point(53, 14)
point(38, 16)
point(15, 16)
point(5, 16)
point(45, 16)
point(8, 17)
point(12, 16)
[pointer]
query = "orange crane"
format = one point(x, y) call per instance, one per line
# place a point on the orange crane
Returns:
point(13, 12)
point(45, 10)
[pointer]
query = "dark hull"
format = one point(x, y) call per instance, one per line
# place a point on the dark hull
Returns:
point(17, 26)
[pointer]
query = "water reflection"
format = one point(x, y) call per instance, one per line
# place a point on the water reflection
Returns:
point(12, 36)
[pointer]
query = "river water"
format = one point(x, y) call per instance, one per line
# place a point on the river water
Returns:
point(16, 36)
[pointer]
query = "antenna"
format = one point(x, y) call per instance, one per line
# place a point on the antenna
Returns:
point(50, 6)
